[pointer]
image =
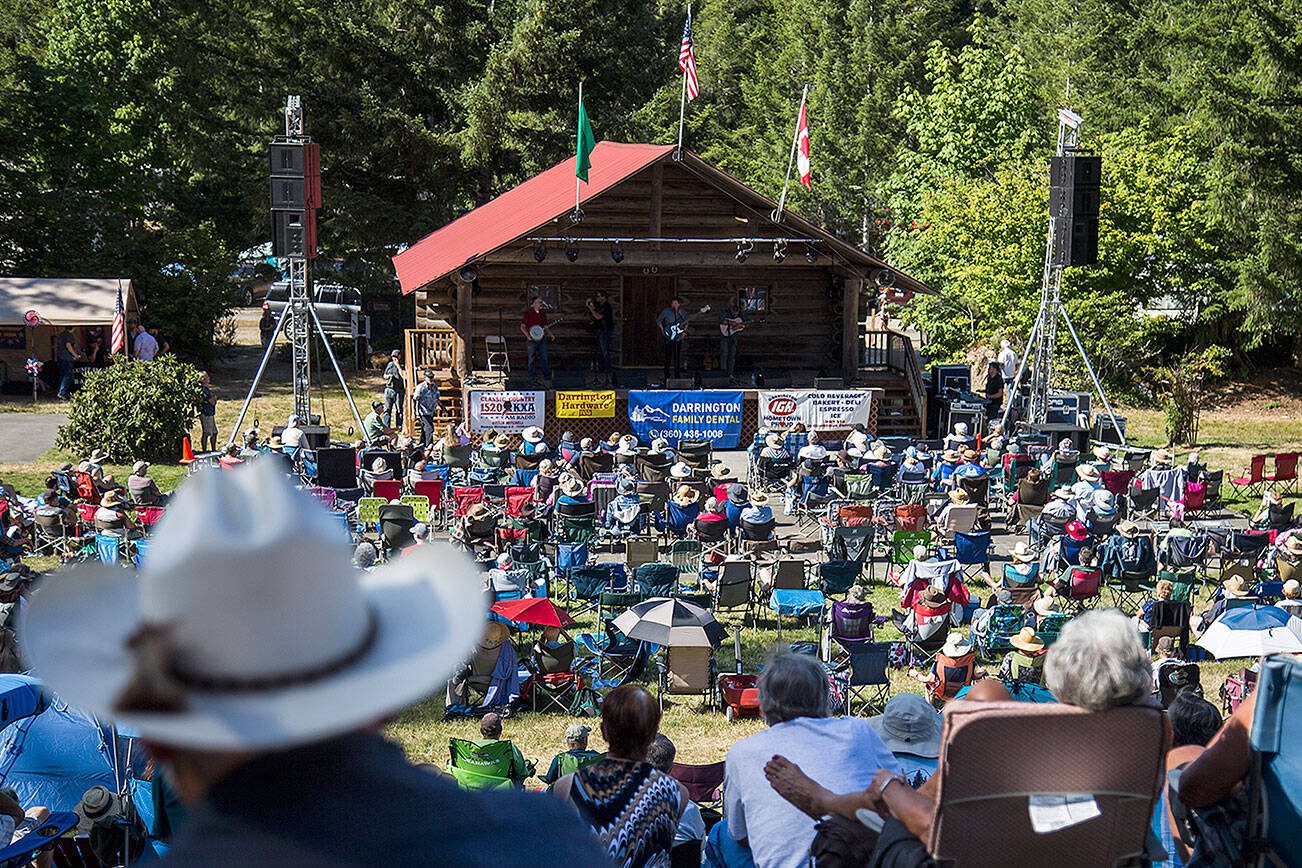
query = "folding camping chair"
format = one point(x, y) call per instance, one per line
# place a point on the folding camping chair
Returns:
point(688, 671)
point(1083, 584)
point(982, 820)
point(910, 517)
point(798, 603)
point(1006, 621)
point(1130, 589)
point(1170, 618)
point(387, 489)
point(587, 584)
point(949, 675)
point(1144, 504)
point(654, 579)
point(868, 683)
point(552, 684)
point(419, 506)
point(901, 550)
point(1275, 814)
point(704, 785)
point(614, 658)
point(575, 522)
point(464, 497)
point(482, 767)
point(837, 577)
point(515, 498)
point(108, 546)
point(716, 542)
point(733, 587)
point(685, 554)
point(1253, 481)
point(1174, 677)
point(679, 519)
point(367, 513)
point(785, 574)
point(641, 550)
point(431, 489)
point(972, 551)
point(851, 626)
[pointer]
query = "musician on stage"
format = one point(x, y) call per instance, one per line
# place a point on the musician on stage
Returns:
point(673, 328)
point(533, 325)
point(603, 326)
point(732, 322)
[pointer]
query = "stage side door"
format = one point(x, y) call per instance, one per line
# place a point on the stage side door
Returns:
point(644, 296)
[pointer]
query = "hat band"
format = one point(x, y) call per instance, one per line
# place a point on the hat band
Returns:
point(158, 677)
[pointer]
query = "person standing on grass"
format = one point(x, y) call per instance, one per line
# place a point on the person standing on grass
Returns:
point(207, 414)
point(395, 391)
point(67, 357)
point(426, 402)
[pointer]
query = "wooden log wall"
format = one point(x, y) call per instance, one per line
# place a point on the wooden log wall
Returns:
point(803, 330)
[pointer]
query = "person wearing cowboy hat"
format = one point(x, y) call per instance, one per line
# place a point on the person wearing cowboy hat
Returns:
point(943, 474)
point(959, 502)
point(930, 611)
point(624, 513)
point(1024, 567)
point(627, 445)
point(1161, 459)
point(1292, 598)
point(1102, 457)
point(1288, 553)
point(573, 490)
point(958, 438)
point(374, 429)
point(686, 496)
point(660, 446)
point(533, 442)
point(720, 473)
point(880, 452)
point(247, 731)
point(112, 515)
point(1128, 529)
point(858, 438)
point(1025, 662)
point(474, 530)
point(970, 466)
point(758, 511)
point(910, 729)
point(141, 488)
point(1045, 605)
point(679, 470)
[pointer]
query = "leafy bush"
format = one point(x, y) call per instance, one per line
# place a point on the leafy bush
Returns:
point(134, 410)
point(1181, 388)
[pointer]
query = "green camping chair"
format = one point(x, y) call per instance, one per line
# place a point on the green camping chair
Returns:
point(481, 767)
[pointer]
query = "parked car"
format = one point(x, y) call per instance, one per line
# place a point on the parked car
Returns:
point(252, 281)
point(335, 305)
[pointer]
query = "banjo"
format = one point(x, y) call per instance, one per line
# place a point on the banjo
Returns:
point(675, 331)
point(540, 333)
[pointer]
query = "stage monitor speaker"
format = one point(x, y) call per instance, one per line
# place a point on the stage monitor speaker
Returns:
point(393, 459)
point(336, 467)
point(1105, 432)
point(316, 436)
point(829, 382)
point(680, 383)
point(293, 233)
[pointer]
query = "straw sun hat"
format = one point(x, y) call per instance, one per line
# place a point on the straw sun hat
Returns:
point(248, 628)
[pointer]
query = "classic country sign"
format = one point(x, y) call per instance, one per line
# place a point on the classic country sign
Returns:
point(510, 412)
point(585, 405)
point(818, 409)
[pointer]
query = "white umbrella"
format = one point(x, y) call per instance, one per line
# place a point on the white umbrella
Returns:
point(1252, 631)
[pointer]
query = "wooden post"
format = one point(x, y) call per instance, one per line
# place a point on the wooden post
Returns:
point(657, 198)
point(465, 326)
point(850, 334)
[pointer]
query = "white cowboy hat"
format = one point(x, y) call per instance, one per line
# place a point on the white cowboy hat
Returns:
point(720, 471)
point(1047, 604)
point(659, 445)
point(1062, 492)
point(627, 445)
point(139, 467)
point(248, 628)
point(881, 451)
point(956, 645)
point(1022, 553)
point(773, 441)
point(960, 427)
point(680, 471)
point(532, 434)
point(1293, 544)
point(759, 498)
point(1088, 472)
point(908, 724)
point(379, 465)
point(97, 456)
point(1105, 503)
point(571, 485)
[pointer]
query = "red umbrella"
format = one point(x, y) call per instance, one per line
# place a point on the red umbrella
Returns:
point(540, 611)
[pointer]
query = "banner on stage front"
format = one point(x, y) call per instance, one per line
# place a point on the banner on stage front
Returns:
point(675, 416)
point(818, 409)
point(585, 405)
point(510, 412)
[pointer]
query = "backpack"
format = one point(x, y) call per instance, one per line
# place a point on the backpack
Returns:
point(587, 703)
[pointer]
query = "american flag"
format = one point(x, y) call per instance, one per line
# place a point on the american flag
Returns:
point(687, 59)
point(119, 341)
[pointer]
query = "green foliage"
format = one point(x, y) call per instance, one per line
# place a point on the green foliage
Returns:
point(133, 410)
point(1182, 385)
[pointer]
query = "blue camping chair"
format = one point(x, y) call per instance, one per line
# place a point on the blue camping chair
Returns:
point(25, 850)
point(883, 475)
point(656, 579)
point(1276, 809)
point(972, 551)
point(524, 478)
point(109, 547)
point(141, 547)
point(570, 556)
point(797, 603)
point(679, 518)
point(1070, 549)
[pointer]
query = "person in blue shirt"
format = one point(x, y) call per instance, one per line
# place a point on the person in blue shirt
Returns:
point(943, 475)
point(759, 511)
point(971, 466)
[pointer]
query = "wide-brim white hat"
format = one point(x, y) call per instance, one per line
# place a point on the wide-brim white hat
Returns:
point(680, 470)
point(257, 593)
point(532, 434)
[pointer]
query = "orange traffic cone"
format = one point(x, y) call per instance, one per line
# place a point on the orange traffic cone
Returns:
point(187, 453)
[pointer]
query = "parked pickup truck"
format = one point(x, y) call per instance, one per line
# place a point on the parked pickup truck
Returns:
point(335, 306)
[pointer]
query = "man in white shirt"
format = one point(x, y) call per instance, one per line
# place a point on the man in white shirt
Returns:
point(144, 347)
point(291, 437)
point(794, 702)
point(1007, 366)
point(813, 450)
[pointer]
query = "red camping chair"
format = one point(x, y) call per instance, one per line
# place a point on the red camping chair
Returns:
point(431, 488)
point(85, 485)
point(516, 498)
point(86, 514)
point(1255, 480)
point(464, 498)
point(389, 489)
point(1285, 475)
point(950, 675)
point(704, 784)
point(1195, 497)
point(1117, 481)
point(148, 516)
point(910, 516)
point(1083, 585)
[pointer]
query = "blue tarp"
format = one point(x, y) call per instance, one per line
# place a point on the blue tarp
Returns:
point(20, 696)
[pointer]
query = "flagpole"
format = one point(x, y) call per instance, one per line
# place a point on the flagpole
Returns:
point(795, 139)
point(682, 100)
point(576, 154)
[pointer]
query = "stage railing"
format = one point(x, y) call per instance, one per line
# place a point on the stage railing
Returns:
point(891, 350)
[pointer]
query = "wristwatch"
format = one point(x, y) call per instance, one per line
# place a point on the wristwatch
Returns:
point(892, 779)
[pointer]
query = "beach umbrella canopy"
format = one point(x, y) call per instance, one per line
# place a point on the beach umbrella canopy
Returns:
point(540, 611)
point(1252, 631)
point(671, 622)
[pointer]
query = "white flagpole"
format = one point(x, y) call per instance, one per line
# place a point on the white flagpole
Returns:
point(682, 99)
point(795, 139)
point(578, 132)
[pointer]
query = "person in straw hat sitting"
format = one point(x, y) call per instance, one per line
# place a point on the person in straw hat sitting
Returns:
point(1025, 662)
point(758, 510)
point(258, 666)
point(112, 516)
point(533, 442)
point(572, 490)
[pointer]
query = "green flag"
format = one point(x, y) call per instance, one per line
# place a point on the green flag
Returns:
point(586, 142)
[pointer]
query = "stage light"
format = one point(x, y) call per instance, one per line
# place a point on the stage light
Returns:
point(811, 254)
point(617, 253)
point(743, 250)
point(571, 252)
point(468, 274)
point(540, 252)
point(779, 250)
point(884, 278)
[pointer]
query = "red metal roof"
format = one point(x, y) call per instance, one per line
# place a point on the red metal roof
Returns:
point(517, 212)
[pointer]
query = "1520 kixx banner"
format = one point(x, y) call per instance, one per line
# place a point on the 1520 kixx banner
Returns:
point(675, 416)
point(585, 405)
point(510, 412)
point(818, 409)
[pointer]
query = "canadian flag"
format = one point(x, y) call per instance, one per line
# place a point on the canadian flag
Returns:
point(802, 145)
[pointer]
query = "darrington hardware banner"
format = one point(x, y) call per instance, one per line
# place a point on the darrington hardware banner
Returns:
point(675, 416)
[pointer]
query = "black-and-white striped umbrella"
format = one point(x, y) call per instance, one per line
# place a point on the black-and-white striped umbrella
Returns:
point(674, 622)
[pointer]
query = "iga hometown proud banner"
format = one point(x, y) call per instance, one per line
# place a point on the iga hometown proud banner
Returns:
point(819, 410)
point(511, 412)
point(703, 415)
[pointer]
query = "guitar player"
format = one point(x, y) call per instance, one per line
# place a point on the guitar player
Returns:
point(732, 322)
point(533, 325)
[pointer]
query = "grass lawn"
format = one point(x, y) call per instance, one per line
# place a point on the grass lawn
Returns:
point(1229, 437)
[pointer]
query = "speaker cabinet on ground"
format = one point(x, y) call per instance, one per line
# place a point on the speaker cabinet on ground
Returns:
point(336, 468)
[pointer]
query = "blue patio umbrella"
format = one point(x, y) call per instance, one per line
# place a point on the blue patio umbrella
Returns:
point(1252, 631)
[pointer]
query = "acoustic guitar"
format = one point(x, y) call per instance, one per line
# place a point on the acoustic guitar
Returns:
point(730, 327)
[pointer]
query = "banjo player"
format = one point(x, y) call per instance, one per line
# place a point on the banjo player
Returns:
point(533, 325)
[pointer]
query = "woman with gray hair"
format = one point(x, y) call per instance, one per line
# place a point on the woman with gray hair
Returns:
point(1098, 663)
